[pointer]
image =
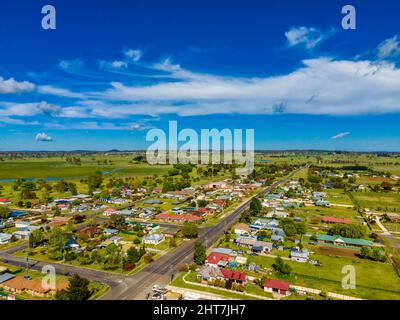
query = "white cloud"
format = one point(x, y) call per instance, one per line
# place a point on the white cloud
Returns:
point(49, 109)
point(43, 137)
point(389, 48)
point(343, 87)
point(340, 135)
point(12, 86)
point(310, 37)
point(29, 109)
point(119, 64)
point(134, 55)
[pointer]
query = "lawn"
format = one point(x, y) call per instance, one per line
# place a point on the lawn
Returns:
point(374, 280)
point(381, 201)
point(178, 282)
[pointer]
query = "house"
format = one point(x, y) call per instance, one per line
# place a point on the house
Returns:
point(226, 251)
point(277, 286)
point(109, 232)
point(154, 239)
point(261, 246)
point(299, 256)
point(260, 224)
point(217, 259)
point(33, 287)
point(242, 229)
point(115, 239)
point(5, 238)
point(319, 195)
point(5, 201)
point(277, 214)
point(210, 273)
point(342, 241)
point(254, 244)
point(5, 277)
point(215, 185)
point(322, 203)
point(278, 235)
point(109, 211)
point(233, 276)
point(393, 217)
point(125, 212)
point(22, 224)
point(152, 201)
point(89, 231)
point(241, 260)
point(72, 243)
point(22, 234)
point(335, 220)
point(178, 218)
point(58, 222)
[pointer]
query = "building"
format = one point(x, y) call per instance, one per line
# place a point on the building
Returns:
point(217, 259)
point(210, 273)
point(299, 256)
point(110, 232)
point(233, 276)
point(342, 241)
point(178, 218)
point(277, 286)
point(154, 239)
point(5, 238)
point(335, 220)
point(5, 201)
point(241, 229)
point(32, 287)
point(22, 234)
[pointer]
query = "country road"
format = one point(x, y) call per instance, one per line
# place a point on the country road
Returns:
point(161, 271)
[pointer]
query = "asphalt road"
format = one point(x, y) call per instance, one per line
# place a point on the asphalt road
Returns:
point(161, 271)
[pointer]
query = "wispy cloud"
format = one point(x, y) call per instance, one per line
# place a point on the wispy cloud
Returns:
point(309, 37)
point(389, 48)
point(340, 135)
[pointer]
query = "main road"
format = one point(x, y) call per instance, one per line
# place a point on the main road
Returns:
point(161, 271)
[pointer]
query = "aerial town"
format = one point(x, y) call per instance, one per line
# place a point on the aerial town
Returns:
point(284, 232)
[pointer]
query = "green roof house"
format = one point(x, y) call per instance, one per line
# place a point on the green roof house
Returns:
point(342, 241)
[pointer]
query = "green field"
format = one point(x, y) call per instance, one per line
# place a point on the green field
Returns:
point(378, 200)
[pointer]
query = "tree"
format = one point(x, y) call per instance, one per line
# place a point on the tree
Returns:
point(78, 289)
point(281, 267)
point(133, 255)
point(199, 253)
point(255, 207)
point(117, 221)
point(190, 230)
point(35, 238)
point(5, 212)
point(202, 203)
point(172, 243)
point(347, 230)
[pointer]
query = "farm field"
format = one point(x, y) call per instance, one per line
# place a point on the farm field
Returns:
point(378, 201)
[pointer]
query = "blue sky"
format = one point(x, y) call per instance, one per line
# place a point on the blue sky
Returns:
point(115, 69)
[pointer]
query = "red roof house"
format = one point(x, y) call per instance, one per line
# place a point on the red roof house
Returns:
point(179, 218)
point(277, 286)
point(217, 259)
point(5, 200)
point(234, 276)
point(335, 220)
